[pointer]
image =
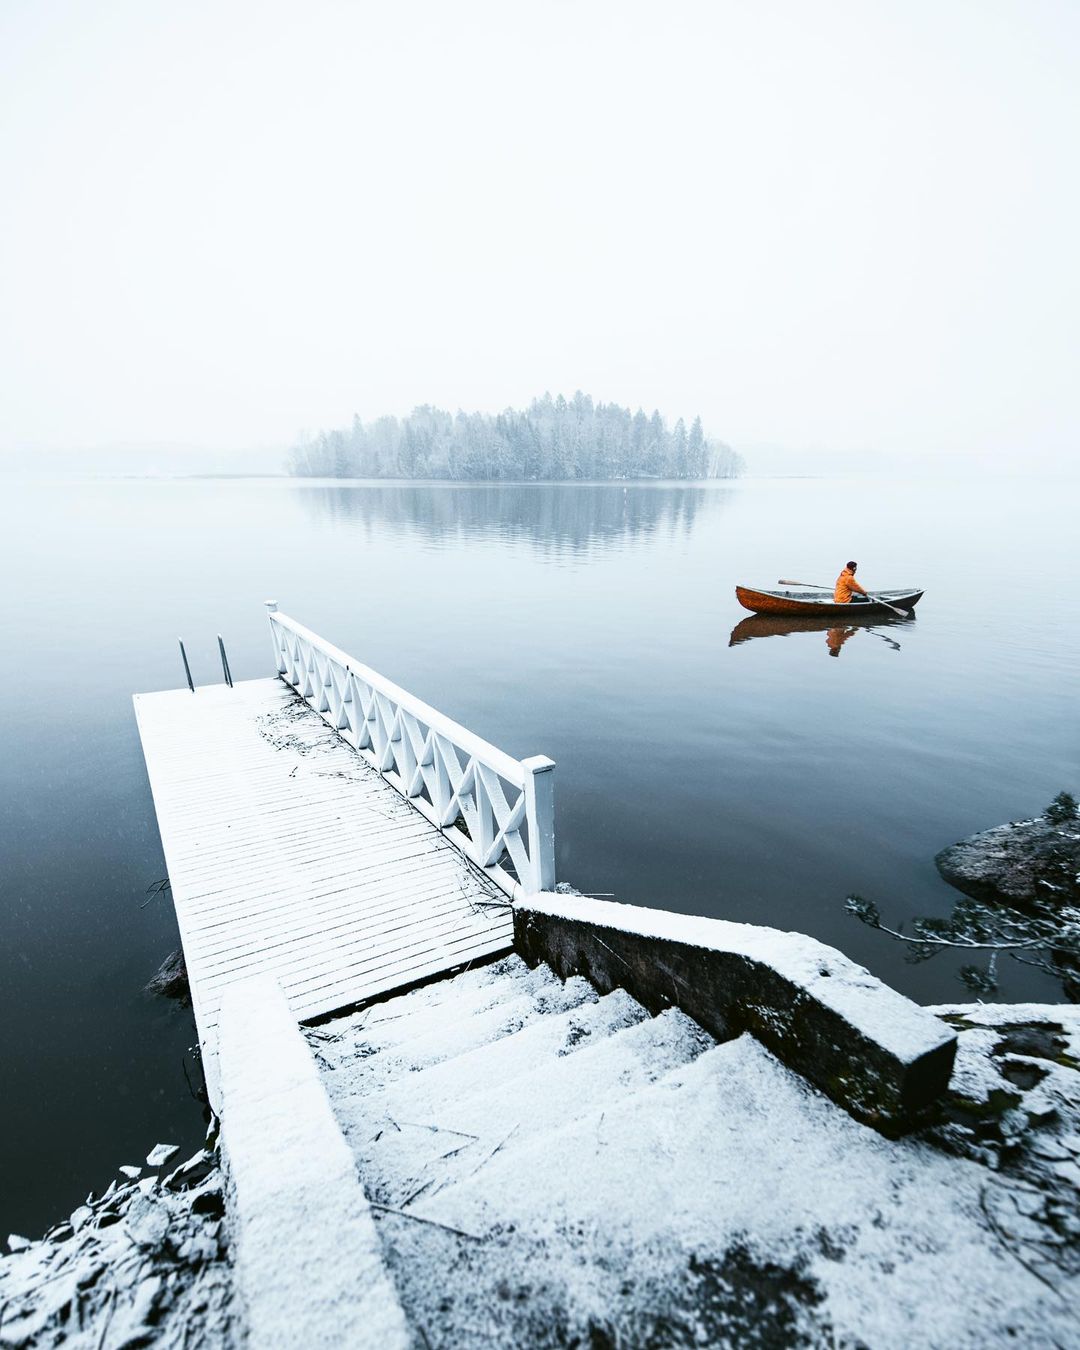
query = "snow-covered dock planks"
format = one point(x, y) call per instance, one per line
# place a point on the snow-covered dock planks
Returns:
point(289, 855)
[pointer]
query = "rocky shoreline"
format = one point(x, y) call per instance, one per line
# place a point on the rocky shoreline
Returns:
point(1021, 888)
point(1023, 864)
point(144, 1263)
point(1013, 1106)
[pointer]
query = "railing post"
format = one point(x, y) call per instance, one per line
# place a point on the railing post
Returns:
point(187, 668)
point(271, 610)
point(540, 813)
point(224, 662)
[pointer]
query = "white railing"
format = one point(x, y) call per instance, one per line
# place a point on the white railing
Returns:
point(452, 777)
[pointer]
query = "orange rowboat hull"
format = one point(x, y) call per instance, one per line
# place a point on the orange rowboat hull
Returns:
point(809, 603)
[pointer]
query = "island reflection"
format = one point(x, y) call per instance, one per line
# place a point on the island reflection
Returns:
point(552, 516)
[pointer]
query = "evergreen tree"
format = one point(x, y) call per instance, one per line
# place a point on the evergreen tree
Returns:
point(656, 451)
point(639, 443)
point(679, 450)
point(697, 453)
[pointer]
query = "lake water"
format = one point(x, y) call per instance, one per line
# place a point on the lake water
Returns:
point(760, 781)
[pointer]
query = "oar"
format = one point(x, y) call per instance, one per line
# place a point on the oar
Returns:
point(813, 585)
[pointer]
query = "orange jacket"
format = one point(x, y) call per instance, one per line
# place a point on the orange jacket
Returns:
point(846, 585)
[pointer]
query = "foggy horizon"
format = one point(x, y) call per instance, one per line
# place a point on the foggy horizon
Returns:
point(833, 231)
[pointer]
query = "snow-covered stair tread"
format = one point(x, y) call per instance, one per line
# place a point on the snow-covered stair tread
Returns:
point(438, 1020)
point(356, 1092)
point(416, 1144)
point(446, 1085)
point(564, 1086)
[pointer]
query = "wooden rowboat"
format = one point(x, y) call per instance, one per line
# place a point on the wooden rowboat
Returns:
point(808, 603)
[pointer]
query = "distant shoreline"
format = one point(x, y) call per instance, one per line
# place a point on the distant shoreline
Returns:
point(106, 475)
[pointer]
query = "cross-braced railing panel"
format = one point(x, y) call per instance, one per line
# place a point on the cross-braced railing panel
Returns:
point(499, 811)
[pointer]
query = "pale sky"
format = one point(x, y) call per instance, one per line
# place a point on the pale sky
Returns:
point(852, 226)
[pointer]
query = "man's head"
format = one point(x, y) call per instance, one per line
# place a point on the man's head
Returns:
point(852, 566)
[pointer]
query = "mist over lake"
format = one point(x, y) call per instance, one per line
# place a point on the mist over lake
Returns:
point(760, 781)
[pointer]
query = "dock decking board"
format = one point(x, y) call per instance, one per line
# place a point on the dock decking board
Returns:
point(289, 855)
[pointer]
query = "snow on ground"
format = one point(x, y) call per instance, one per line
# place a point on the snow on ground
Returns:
point(1014, 1107)
point(144, 1264)
point(550, 1168)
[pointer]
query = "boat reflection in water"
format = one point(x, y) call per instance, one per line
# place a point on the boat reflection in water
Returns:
point(836, 633)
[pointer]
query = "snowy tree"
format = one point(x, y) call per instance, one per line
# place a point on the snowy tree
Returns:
point(697, 452)
point(723, 462)
point(639, 444)
point(680, 446)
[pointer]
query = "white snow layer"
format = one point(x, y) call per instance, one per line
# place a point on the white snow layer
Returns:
point(308, 1260)
point(886, 1017)
point(548, 1166)
point(142, 1264)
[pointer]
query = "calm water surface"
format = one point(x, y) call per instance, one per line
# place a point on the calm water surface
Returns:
point(759, 780)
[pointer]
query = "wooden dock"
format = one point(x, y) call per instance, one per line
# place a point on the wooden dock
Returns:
point(348, 845)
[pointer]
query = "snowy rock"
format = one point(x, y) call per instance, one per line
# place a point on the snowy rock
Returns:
point(147, 1295)
point(1051, 1152)
point(129, 1170)
point(118, 1279)
point(121, 1196)
point(1007, 863)
point(17, 1243)
point(148, 1221)
point(1068, 1172)
point(161, 1154)
point(198, 1249)
point(191, 1173)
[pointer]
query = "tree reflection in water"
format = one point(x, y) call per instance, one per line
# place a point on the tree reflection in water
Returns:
point(554, 517)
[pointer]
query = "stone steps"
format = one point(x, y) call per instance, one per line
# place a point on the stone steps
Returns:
point(414, 1142)
point(440, 1120)
point(548, 1168)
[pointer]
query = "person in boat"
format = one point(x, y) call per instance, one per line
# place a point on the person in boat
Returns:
point(848, 590)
